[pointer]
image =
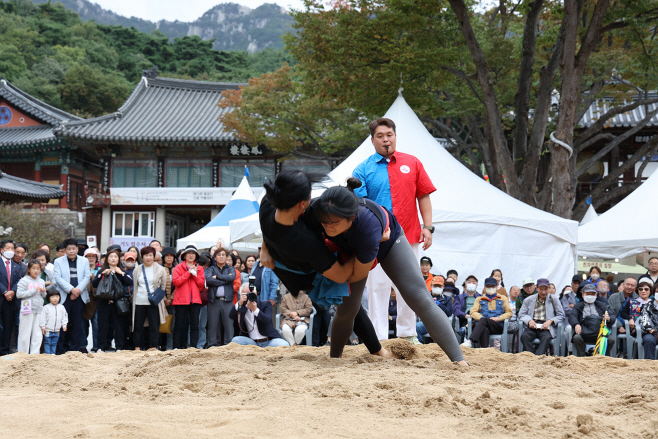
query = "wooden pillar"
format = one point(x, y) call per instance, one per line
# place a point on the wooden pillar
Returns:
point(64, 181)
point(37, 171)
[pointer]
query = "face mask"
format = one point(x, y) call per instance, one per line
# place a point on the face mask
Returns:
point(595, 276)
point(490, 291)
point(8, 254)
point(129, 264)
point(448, 293)
point(471, 288)
point(437, 291)
point(589, 299)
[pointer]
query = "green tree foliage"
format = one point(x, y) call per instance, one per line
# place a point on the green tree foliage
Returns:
point(31, 226)
point(90, 69)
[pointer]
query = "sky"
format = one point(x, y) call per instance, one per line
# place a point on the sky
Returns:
point(182, 10)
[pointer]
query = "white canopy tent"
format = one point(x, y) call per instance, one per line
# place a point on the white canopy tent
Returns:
point(590, 215)
point(242, 204)
point(627, 229)
point(478, 227)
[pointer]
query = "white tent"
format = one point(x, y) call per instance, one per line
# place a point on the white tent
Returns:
point(627, 229)
point(590, 215)
point(246, 229)
point(242, 204)
point(478, 227)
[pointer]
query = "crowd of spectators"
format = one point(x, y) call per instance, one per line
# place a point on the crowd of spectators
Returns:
point(160, 298)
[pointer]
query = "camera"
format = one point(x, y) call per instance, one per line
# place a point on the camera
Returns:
point(252, 297)
point(252, 283)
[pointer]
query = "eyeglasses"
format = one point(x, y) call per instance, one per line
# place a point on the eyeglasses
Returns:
point(644, 289)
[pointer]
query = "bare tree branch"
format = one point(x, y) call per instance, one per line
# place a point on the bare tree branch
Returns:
point(464, 76)
point(593, 140)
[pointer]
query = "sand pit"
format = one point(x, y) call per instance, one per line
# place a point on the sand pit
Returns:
point(244, 391)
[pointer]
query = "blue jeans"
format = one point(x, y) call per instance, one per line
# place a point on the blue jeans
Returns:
point(50, 342)
point(421, 330)
point(203, 321)
point(275, 342)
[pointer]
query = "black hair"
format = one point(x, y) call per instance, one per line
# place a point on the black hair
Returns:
point(338, 202)
point(203, 260)
point(652, 257)
point(31, 263)
point(106, 263)
point(59, 247)
point(233, 258)
point(563, 289)
point(52, 291)
point(595, 268)
point(7, 241)
point(70, 241)
point(291, 187)
point(502, 283)
point(21, 245)
point(452, 272)
point(155, 240)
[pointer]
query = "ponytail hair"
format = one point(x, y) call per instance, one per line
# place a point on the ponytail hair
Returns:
point(338, 202)
point(291, 187)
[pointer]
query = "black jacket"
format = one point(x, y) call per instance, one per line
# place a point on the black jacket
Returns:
point(263, 319)
point(223, 279)
point(576, 316)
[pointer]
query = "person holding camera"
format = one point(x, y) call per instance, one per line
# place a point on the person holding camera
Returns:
point(254, 319)
point(295, 312)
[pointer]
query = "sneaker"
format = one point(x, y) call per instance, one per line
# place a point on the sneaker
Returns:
point(467, 343)
point(412, 339)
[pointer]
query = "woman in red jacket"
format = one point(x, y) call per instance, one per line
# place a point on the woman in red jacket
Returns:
point(189, 280)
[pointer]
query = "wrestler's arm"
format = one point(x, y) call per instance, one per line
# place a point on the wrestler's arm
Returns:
point(360, 270)
point(265, 258)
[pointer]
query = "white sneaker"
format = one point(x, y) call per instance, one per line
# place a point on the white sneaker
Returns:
point(467, 343)
point(412, 339)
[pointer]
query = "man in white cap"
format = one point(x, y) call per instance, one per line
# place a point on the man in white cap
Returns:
point(527, 291)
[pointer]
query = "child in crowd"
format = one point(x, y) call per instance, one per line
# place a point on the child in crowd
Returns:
point(30, 291)
point(53, 318)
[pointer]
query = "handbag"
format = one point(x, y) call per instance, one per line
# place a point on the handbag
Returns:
point(156, 296)
point(204, 296)
point(165, 328)
point(110, 287)
point(123, 306)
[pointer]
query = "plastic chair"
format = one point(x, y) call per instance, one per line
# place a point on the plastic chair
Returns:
point(502, 337)
point(630, 341)
point(309, 331)
point(556, 342)
point(639, 343)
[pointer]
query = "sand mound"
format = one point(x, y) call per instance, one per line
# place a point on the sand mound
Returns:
point(246, 391)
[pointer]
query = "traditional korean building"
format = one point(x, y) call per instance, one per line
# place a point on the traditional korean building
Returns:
point(30, 150)
point(168, 166)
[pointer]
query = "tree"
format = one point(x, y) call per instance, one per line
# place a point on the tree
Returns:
point(32, 227)
point(490, 90)
point(274, 110)
point(92, 92)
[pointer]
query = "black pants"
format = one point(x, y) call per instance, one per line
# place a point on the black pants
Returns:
point(219, 323)
point(484, 328)
point(141, 313)
point(73, 339)
point(320, 325)
point(107, 315)
point(7, 311)
point(544, 336)
point(187, 316)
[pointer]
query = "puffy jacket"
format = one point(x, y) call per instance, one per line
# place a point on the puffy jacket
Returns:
point(496, 306)
point(188, 287)
point(27, 289)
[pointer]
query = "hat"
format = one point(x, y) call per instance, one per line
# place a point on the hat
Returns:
point(113, 247)
point(92, 251)
point(130, 255)
point(82, 242)
point(543, 282)
point(528, 281)
point(470, 276)
point(168, 251)
point(490, 281)
point(645, 279)
point(190, 248)
point(438, 280)
point(588, 287)
point(426, 259)
point(576, 278)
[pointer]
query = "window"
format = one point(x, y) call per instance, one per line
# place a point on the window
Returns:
point(189, 173)
point(306, 166)
point(133, 224)
point(134, 173)
point(231, 173)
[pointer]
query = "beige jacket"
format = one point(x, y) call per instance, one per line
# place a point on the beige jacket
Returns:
point(161, 275)
point(302, 305)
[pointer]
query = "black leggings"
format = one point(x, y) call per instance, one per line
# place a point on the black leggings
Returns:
point(400, 266)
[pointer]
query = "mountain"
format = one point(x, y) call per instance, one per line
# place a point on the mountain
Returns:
point(234, 27)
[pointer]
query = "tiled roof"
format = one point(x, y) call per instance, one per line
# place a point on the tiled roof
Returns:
point(162, 111)
point(16, 137)
point(628, 119)
point(33, 106)
point(15, 189)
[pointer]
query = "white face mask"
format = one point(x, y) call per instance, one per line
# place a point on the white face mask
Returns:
point(129, 264)
point(448, 293)
point(8, 254)
point(490, 291)
point(595, 276)
point(589, 299)
point(471, 288)
point(437, 291)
